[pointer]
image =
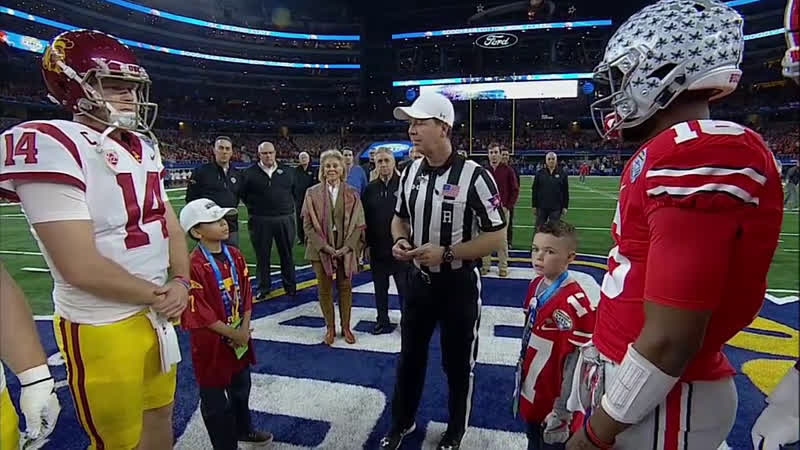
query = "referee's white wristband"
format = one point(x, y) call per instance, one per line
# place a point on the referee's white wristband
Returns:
point(34, 375)
point(638, 387)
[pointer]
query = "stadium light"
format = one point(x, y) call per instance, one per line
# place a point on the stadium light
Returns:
point(219, 26)
point(172, 51)
point(538, 77)
point(505, 28)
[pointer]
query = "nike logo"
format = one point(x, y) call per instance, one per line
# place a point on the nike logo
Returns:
point(153, 156)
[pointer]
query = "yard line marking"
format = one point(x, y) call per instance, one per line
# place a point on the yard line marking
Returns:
point(603, 194)
point(15, 252)
point(35, 269)
point(783, 291)
point(791, 250)
point(13, 216)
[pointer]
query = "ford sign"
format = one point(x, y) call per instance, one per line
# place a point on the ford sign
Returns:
point(496, 40)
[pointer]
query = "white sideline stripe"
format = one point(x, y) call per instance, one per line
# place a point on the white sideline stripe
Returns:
point(791, 250)
point(783, 291)
point(35, 269)
point(710, 187)
point(15, 252)
point(710, 171)
point(13, 216)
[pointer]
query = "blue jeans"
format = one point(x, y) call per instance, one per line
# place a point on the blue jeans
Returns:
point(535, 441)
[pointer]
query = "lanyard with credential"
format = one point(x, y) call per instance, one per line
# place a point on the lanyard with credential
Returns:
point(226, 297)
point(536, 303)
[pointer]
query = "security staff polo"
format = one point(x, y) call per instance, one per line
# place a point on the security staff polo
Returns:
point(211, 181)
point(550, 194)
point(268, 196)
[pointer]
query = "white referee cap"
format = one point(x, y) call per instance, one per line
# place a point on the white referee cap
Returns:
point(430, 105)
point(203, 210)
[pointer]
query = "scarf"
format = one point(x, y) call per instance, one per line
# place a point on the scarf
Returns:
point(318, 211)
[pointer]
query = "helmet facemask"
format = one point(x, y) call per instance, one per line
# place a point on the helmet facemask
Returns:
point(615, 78)
point(141, 119)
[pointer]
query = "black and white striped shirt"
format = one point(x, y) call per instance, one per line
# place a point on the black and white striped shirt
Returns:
point(449, 204)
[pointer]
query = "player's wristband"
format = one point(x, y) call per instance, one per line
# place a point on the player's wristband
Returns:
point(596, 441)
point(34, 375)
point(183, 281)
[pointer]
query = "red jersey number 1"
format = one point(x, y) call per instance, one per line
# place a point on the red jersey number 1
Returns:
point(153, 207)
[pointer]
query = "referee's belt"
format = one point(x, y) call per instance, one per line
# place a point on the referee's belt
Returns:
point(427, 276)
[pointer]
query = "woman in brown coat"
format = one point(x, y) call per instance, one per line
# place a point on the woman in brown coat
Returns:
point(333, 220)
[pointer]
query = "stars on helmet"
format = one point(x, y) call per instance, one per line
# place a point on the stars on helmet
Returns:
point(724, 39)
point(652, 83)
point(704, 16)
point(712, 28)
point(654, 21)
point(671, 15)
point(688, 23)
point(627, 43)
point(661, 42)
point(677, 39)
point(637, 82)
point(660, 58)
point(637, 32)
point(670, 27)
point(694, 52)
point(693, 68)
point(677, 55)
point(650, 34)
point(723, 54)
point(647, 67)
point(711, 44)
point(696, 36)
point(708, 60)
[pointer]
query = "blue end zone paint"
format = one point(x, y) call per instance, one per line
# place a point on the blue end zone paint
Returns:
point(376, 370)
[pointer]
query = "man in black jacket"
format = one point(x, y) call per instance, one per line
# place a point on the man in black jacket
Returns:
point(379, 200)
point(268, 192)
point(219, 181)
point(304, 177)
point(550, 191)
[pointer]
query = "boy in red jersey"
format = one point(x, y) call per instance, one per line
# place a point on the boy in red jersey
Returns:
point(559, 318)
point(218, 320)
point(696, 227)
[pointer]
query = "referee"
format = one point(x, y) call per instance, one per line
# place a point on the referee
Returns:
point(448, 215)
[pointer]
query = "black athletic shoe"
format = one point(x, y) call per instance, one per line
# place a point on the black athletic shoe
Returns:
point(449, 442)
point(256, 438)
point(393, 440)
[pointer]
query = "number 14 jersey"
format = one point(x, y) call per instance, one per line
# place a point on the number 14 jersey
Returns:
point(696, 227)
point(124, 194)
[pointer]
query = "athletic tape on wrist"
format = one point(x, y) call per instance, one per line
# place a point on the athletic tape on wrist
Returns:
point(34, 375)
point(638, 387)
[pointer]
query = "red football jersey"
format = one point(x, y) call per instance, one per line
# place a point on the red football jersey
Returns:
point(213, 359)
point(696, 227)
point(564, 323)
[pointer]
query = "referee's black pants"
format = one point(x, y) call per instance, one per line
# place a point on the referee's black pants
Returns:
point(263, 229)
point(453, 301)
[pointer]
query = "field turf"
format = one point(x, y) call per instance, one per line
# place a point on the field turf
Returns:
point(591, 209)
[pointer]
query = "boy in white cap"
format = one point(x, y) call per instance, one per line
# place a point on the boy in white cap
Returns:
point(218, 321)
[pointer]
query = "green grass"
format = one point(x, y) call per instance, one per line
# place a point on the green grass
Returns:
point(591, 210)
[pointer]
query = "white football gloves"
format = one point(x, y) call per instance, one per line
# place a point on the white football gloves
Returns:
point(38, 403)
point(556, 427)
point(778, 424)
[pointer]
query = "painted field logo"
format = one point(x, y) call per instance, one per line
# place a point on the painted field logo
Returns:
point(496, 40)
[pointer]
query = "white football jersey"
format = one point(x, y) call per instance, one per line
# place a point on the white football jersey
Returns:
point(125, 195)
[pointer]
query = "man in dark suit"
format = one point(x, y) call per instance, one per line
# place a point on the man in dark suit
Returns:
point(305, 176)
point(219, 181)
point(268, 192)
point(550, 191)
point(379, 200)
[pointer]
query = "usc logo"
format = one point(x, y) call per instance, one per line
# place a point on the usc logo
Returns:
point(56, 52)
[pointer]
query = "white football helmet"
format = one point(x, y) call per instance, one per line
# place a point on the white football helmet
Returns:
point(663, 50)
point(791, 59)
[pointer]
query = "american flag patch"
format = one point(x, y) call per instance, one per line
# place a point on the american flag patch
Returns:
point(450, 190)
